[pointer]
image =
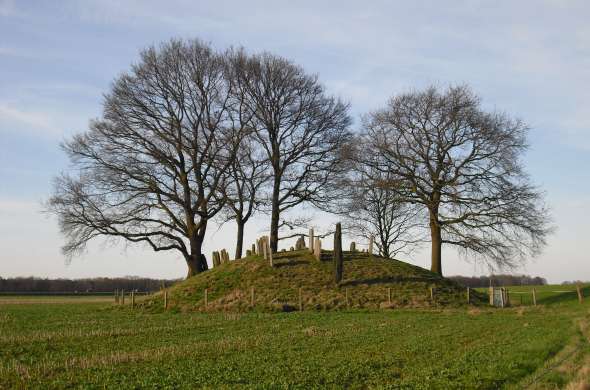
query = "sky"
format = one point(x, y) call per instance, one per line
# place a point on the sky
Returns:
point(530, 59)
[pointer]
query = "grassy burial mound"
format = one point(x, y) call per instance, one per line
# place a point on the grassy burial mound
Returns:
point(298, 280)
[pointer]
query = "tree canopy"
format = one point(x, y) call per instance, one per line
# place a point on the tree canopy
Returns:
point(441, 150)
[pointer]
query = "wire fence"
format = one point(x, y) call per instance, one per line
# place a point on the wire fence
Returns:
point(496, 296)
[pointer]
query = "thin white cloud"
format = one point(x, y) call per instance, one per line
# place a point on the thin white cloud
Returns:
point(13, 119)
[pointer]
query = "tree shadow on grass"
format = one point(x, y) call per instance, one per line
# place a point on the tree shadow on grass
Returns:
point(291, 263)
point(389, 279)
point(563, 297)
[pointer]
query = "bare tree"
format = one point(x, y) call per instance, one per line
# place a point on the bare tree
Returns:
point(462, 165)
point(152, 168)
point(248, 174)
point(373, 209)
point(299, 127)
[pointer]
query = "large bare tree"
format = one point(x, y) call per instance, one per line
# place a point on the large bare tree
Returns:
point(373, 209)
point(248, 174)
point(299, 127)
point(151, 169)
point(463, 165)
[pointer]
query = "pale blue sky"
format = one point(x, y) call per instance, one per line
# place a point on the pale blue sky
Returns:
point(529, 58)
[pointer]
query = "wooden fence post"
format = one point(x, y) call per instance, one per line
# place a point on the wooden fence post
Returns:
point(300, 295)
point(468, 297)
point(432, 293)
point(389, 295)
point(132, 299)
point(122, 297)
point(534, 297)
point(165, 299)
point(116, 296)
point(580, 294)
point(491, 295)
point(252, 297)
point(206, 297)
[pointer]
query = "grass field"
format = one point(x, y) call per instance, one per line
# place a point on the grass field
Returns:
point(45, 299)
point(75, 344)
point(546, 295)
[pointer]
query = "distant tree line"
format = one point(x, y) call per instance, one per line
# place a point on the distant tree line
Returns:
point(499, 280)
point(570, 282)
point(91, 285)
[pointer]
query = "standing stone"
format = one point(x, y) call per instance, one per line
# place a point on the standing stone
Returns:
point(216, 259)
point(371, 245)
point(352, 245)
point(311, 239)
point(317, 251)
point(338, 258)
point(248, 253)
point(224, 256)
point(291, 249)
point(264, 250)
point(300, 244)
point(253, 249)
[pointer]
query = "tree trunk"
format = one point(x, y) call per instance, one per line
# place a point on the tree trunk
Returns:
point(194, 265)
point(384, 252)
point(338, 258)
point(274, 217)
point(436, 240)
point(240, 238)
point(197, 261)
point(200, 238)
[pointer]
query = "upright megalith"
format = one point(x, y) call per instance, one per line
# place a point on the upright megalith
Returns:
point(224, 256)
point(371, 239)
point(353, 246)
point(300, 243)
point(266, 249)
point(338, 258)
point(253, 249)
point(216, 259)
point(317, 251)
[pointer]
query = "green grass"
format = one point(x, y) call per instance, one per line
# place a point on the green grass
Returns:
point(546, 295)
point(43, 299)
point(367, 281)
point(93, 345)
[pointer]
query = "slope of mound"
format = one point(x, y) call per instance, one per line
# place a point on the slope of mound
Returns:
point(297, 278)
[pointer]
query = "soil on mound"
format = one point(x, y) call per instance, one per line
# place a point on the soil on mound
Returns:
point(298, 280)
